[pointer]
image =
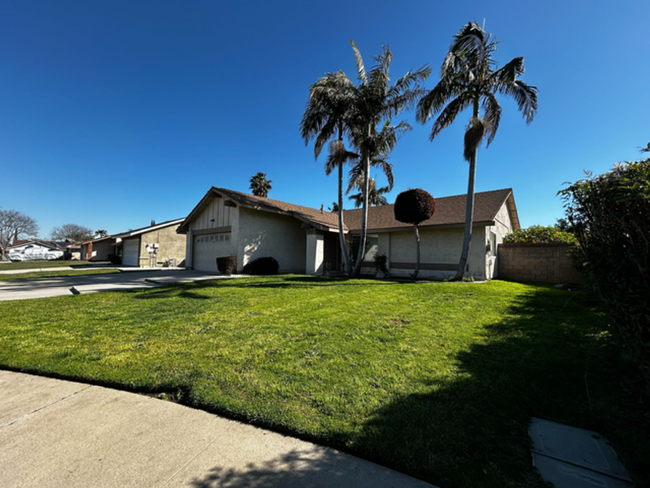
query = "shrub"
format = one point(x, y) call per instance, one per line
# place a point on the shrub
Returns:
point(262, 266)
point(414, 206)
point(381, 262)
point(227, 265)
point(538, 234)
point(610, 217)
point(115, 258)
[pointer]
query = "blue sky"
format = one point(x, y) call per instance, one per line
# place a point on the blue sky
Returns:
point(116, 113)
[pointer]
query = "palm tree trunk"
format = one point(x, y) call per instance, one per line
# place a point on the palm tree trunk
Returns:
point(364, 217)
point(417, 251)
point(344, 249)
point(469, 219)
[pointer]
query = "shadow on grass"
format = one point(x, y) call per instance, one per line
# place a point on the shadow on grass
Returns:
point(548, 357)
point(546, 361)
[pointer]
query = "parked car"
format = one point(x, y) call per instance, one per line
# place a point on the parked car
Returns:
point(35, 253)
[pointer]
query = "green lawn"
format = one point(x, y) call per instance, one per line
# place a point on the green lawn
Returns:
point(55, 274)
point(436, 380)
point(46, 264)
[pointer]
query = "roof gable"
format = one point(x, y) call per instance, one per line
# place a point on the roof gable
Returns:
point(316, 218)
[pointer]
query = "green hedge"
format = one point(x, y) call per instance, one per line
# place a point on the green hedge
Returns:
point(610, 216)
point(537, 234)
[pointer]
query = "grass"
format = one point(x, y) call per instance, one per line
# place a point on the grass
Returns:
point(436, 380)
point(5, 266)
point(55, 274)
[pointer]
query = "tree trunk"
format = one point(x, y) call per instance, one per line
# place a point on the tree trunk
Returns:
point(469, 219)
point(344, 249)
point(417, 251)
point(364, 217)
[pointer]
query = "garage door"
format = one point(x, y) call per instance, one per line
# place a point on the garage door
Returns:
point(131, 252)
point(208, 248)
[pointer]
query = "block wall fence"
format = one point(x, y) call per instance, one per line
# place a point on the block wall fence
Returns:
point(544, 263)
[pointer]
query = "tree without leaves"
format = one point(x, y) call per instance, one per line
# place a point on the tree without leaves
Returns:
point(413, 207)
point(14, 225)
point(468, 79)
point(72, 232)
point(260, 186)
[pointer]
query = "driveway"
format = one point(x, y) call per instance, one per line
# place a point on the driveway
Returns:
point(76, 285)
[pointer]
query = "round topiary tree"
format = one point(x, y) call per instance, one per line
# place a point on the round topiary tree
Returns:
point(412, 207)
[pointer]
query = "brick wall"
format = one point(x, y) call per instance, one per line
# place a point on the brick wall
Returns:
point(545, 263)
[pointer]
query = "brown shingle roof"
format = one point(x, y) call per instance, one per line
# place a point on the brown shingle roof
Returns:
point(450, 212)
point(323, 220)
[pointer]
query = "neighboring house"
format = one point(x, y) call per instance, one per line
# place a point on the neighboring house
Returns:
point(34, 250)
point(304, 240)
point(138, 246)
point(98, 249)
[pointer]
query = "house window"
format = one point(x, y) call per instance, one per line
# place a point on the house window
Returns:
point(372, 247)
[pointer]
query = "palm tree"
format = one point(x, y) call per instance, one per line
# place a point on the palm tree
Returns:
point(326, 116)
point(260, 186)
point(469, 79)
point(646, 149)
point(374, 103)
point(375, 197)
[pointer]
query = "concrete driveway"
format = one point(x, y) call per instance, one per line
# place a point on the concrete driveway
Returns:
point(57, 433)
point(76, 285)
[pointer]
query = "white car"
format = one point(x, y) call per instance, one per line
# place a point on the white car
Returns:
point(35, 253)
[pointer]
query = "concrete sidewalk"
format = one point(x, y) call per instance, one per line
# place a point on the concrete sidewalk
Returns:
point(75, 285)
point(62, 434)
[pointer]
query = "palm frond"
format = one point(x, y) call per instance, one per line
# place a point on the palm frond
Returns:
point(524, 95)
point(361, 70)
point(338, 155)
point(449, 113)
point(470, 39)
point(491, 116)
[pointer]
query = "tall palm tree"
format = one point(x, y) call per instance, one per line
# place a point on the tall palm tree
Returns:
point(374, 103)
point(469, 79)
point(326, 116)
point(260, 186)
point(375, 196)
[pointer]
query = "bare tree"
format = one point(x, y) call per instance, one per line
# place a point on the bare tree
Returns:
point(72, 232)
point(15, 225)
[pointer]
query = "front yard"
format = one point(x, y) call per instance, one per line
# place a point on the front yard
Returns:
point(436, 380)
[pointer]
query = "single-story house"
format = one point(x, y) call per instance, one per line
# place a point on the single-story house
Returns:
point(305, 240)
point(98, 249)
point(151, 246)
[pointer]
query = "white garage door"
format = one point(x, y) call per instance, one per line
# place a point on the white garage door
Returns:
point(131, 252)
point(208, 248)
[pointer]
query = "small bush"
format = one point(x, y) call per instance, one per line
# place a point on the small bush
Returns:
point(227, 265)
point(262, 266)
point(381, 262)
point(115, 258)
point(538, 234)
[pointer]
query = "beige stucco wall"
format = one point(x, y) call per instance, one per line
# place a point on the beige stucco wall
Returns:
point(437, 246)
point(502, 227)
point(260, 234)
point(171, 246)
